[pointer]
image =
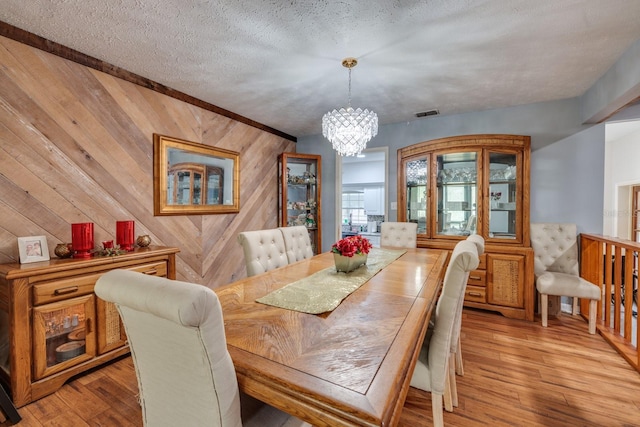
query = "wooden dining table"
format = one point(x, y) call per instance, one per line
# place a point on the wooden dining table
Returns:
point(348, 367)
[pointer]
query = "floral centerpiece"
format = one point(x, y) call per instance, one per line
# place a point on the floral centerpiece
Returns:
point(350, 253)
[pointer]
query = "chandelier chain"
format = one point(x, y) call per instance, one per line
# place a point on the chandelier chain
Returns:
point(349, 103)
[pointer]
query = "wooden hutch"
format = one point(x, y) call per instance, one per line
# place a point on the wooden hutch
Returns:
point(456, 186)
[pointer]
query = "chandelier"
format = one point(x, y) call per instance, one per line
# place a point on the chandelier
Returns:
point(347, 129)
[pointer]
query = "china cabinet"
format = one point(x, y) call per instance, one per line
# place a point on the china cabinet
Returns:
point(457, 186)
point(299, 194)
point(53, 325)
point(195, 184)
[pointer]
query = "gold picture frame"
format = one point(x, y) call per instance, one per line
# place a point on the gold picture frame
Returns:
point(194, 179)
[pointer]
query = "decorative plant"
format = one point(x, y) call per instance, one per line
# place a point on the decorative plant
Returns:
point(112, 251)
point(352, 245)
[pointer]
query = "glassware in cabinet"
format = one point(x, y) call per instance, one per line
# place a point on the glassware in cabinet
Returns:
point(416, 172)
point(457, 193)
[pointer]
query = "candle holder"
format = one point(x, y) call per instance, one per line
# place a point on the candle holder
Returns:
point(82, 239)
point(125, 230)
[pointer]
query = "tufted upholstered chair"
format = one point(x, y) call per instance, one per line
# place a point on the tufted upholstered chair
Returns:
point(297, 243)
point(556, 268)
point(264, 250)
point(399, 234)
point(185, 374)
point(432, 368)
point(455, 362)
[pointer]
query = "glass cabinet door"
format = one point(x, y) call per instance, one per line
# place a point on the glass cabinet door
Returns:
point(63, 335)
point(457, 194)
point(299, 194)
point(503, 191)
point(417, 204)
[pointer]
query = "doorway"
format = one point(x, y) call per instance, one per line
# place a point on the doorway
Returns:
point(361, 186)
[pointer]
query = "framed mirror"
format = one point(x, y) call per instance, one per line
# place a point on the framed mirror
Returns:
point(194, 179)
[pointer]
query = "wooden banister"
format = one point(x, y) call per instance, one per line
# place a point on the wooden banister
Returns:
point(612, 264)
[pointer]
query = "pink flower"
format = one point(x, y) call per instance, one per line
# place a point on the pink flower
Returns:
point(352, 245)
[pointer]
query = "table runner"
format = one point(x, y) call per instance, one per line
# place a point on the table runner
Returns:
point(324, 290)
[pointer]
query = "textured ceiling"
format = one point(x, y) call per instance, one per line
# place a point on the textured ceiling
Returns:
point(278, 62)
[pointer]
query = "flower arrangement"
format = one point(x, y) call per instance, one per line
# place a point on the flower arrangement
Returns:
point(352, 245)
point(110, 251)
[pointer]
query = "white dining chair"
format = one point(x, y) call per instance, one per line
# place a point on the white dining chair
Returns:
point(456, 366)
point(432, 368)
point(185, 374)
point(297, 243)
point(556, 268)
point(399, 234)
point(264, 250)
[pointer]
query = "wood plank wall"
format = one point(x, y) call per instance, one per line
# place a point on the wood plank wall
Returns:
point(76, 145)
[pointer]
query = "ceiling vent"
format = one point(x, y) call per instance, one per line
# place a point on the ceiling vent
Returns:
point(427, 113)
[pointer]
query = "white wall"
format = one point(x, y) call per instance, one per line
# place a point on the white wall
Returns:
point(622, 170)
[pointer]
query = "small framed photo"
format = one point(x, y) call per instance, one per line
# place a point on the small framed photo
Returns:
point(33, 249)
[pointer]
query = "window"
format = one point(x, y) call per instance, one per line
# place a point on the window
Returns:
point(353, 208)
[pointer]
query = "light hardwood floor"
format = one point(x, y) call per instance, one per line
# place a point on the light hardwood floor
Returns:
point(516, 374)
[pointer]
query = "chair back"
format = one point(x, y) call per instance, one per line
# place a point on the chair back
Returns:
point(399, 234)
point(177, 340)
point(555, 248)
point(478, 241)
point(433, 372)
point(297, 243)
point(264, 250)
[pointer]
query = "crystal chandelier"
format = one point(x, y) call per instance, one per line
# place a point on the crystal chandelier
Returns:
point(347, 129)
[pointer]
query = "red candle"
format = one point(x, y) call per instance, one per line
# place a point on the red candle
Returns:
point(125, 230)
point(82, 239)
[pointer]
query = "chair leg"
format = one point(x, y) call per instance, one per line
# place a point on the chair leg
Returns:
point(438, 415)
point(448, 398)
point(574, 309)
point(452, 379)
point(593, 308)
point(459, 366)
point(544, 302)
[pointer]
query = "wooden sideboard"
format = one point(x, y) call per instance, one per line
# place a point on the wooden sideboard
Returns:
point(52, 326)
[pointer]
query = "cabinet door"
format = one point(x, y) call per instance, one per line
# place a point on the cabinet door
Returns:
point(504, 196)
point(63, 335)
point(373, 201)
point(414, 195)
point(109, 326)
point(457, 194)
point(111, 333)
point(506, 280)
